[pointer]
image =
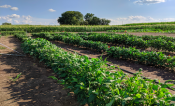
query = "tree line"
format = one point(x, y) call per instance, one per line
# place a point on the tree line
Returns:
point(6, 23)
point(76, 18)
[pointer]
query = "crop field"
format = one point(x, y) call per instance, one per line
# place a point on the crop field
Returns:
point(88, 76)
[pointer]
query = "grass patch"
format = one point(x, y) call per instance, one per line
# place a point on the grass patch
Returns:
point(1, 47)
point(16, 77)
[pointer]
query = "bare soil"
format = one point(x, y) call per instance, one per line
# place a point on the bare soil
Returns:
point(33, 88)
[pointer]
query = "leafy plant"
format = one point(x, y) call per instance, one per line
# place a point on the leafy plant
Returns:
point(1, 47)
point(92, 83)
point(16, 77)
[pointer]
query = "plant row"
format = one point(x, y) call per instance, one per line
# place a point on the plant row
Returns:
point(152, 23)
point(74, 40)
point(144, 37)
point(4, 33)
point(93, 83)
point(144, 30)
point(70, 28)
point(148, 58)
point(131, 40)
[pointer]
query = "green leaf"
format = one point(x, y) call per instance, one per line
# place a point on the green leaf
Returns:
point(91, 98)
point(100, 79)
point(111, 102)
point(63, 75)
point(155, 87)
point(138, 95)
point(53, 77)
point(169, 85)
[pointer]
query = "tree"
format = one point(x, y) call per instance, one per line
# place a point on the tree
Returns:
point(104, 22)
point(84, 23)
point(6, 23)
point(70, 18)
point(88, 17)
point(95, 21)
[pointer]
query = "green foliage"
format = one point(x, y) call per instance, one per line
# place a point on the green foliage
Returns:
point(21, 37)
point(70, 28)
point(153, 30)
point(6, 23)
point(84, 23)
point(88, 17)
point(92, 41)
point(152, 23)
point(148, 58)
point(104, 22)
point(70, 18)
point(1, 47)
point(16, 77)
point(4, 33)
point(72, 39)
point(94, 21)
point(92, 83)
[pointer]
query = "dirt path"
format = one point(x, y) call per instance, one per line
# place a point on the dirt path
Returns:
point(33, 88)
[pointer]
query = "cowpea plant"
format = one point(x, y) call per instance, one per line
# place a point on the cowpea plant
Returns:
point(92, 83)
point(148, 58)
point(75, 40)
point(166, 43)
point(124, 39)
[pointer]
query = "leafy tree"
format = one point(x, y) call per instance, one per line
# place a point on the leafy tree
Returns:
point(88, 17)
point(104, 22)
point(6, 23)
point(95, 21)
point(70, 18)
point(84, 23)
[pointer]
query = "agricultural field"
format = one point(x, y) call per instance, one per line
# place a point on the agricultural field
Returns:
point(92, 81)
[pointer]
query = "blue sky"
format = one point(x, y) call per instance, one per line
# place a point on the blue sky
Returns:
point(46, 12)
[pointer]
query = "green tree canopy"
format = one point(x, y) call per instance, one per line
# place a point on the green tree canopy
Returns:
point(95, 21)
point(70, 17)
point(104, 22)
point(76, 18)
point(6, 23)
point(88, 17)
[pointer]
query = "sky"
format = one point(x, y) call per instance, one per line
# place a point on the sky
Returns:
point(46, 12)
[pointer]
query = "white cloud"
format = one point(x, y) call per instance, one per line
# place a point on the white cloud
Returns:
point(16, 21)
point(5, 6)
point(138, 19)
point(141, 2)
point(14, 8)
point(26, 22)
point(14, 16)
point(51, 10)
point(27, 17)
point(9, 20)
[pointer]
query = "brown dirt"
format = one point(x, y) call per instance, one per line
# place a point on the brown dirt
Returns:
point(33, 88)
